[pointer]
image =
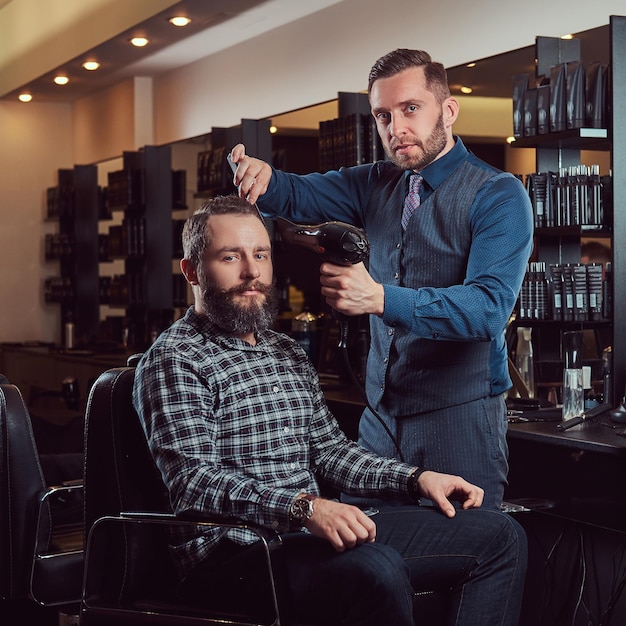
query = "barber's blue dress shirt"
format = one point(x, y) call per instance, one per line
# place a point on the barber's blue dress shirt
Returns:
point(450, 282)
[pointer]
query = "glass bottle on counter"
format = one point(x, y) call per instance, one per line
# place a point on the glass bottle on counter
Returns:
point(304, 331)
point(524, 359)
point(573, 387)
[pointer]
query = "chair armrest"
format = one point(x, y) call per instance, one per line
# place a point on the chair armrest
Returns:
point(269, 540)
point(57, 564)
point(196, 519)
point(57, 514)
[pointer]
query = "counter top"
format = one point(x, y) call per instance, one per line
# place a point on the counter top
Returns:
point(597, 435)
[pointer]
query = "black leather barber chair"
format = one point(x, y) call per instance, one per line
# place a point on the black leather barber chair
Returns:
point(129, 575)
point(41, 542)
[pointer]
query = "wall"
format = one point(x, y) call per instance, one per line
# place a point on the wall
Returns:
point(36, 141)
point(112, 121)
point(303, 63)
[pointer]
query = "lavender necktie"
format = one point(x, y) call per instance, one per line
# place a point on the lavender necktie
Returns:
point(412, 200)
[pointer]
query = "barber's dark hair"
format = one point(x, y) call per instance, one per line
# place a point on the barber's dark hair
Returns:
point(403, 59)
point(194, 237)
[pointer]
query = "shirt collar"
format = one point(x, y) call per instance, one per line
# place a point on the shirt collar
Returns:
point(438, 171)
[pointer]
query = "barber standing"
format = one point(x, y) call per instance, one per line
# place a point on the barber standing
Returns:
point(450, 238)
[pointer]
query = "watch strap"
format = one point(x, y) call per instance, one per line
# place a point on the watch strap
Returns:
point(412, 484)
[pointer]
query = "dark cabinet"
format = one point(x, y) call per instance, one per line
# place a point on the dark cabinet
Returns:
point(74, 204)
point(144, 190)
point(558, 244)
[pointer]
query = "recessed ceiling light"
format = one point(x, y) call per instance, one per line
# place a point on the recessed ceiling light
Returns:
point(466, 89)
point(179, 20)
point(61, 80)
point(139, 42)
point(273, 130)
point(568, 36)
point(91, 65)
point(25, 97)
point(471, 65)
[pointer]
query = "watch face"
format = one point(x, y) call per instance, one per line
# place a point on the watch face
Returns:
point(301, 509)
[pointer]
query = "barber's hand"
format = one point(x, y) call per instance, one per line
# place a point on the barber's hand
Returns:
point(344, 525)
point(441, 488)
point(351, 290)
point(252, 176)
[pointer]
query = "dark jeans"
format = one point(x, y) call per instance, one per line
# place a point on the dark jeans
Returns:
point(478, 557)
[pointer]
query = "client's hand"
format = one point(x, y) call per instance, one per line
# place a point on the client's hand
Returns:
point(344, 525)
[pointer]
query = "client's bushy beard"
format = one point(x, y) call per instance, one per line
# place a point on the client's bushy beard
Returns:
point(221, 308)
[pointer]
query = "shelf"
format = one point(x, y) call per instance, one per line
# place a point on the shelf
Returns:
point(582, 324)
point(581, 138)
point(574, 231)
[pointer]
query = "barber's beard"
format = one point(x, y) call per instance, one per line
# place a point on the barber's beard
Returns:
point(234, 317)
point(430, 149)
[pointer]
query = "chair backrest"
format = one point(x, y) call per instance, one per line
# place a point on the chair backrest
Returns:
point(22, 483)
point(120, 474)
point(31, 566)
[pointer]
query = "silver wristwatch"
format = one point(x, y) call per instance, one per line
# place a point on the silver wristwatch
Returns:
point(301, 508)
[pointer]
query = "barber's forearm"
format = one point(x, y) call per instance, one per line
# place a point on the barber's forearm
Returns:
point(455, 313)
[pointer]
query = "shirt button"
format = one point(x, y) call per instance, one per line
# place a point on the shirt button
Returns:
point(293, 466)
point(390, 331)
point(396, 275)
point(386, 359)
point(398, 246)
point(275, 388)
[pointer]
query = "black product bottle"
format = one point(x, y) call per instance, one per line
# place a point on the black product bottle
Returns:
point(607, 292)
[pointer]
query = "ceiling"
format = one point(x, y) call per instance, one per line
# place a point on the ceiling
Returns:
point(218, 24)
point(215, 25)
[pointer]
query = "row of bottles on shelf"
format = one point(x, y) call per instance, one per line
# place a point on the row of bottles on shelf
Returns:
point(573, 196)
point(123, 290)
point(349, 140)
point(126, 189)
point(61, 202)
point(126, 240)
point(128, 290)
point(573, 95)
point(213, 172)
point(576, 292)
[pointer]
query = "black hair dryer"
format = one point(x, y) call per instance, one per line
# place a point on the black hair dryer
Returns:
point(336, 242)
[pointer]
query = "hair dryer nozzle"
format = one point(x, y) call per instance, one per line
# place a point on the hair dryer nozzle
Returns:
point(336, 242)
